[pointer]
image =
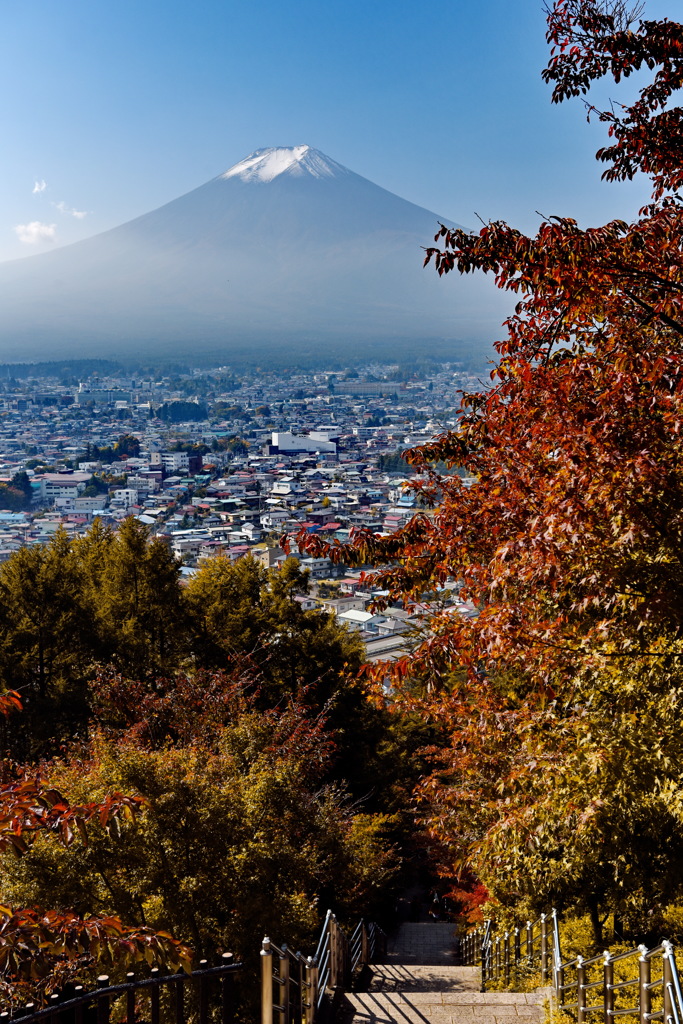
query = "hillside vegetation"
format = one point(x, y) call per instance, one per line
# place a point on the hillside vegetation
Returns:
point(232, 767)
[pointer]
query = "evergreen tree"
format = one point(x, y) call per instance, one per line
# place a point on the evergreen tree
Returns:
point(44, 650)
point(134, 584)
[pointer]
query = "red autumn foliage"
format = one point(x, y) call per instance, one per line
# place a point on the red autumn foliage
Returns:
point(40, 950)
point(570, 541)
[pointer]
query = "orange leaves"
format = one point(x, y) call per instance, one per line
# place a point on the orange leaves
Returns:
point(569, 542)
point(179, 708)
point(569, 276)
point(48, 947)
point(40, 950)
point(590, 42)
point(28, 807)
point(9, 702)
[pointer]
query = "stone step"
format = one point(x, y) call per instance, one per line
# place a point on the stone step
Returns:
point(420, 983)
point(441, 1007)
point(427, 943)
point(394, 977)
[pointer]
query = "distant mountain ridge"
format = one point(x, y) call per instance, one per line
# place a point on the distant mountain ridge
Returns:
point(286, 252)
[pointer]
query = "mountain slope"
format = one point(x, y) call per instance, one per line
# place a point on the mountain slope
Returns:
point(287, 250)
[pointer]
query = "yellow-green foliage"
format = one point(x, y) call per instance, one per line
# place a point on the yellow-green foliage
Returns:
point(236, 842)
point(553, 1015)
point(577, 939)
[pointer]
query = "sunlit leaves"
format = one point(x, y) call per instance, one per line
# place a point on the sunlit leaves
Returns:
point(562, 695)
point(590, 40)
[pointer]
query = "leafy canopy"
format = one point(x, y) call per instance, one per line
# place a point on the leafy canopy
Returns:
point(561, 696)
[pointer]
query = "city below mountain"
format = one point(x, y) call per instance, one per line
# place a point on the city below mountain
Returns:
point(288, 256)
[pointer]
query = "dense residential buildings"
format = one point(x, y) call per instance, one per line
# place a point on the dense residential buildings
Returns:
point(216, 463)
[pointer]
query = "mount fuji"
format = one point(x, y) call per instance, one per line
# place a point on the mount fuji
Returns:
point(286, 255)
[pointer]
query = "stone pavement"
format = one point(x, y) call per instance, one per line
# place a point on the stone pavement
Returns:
point(421, 984)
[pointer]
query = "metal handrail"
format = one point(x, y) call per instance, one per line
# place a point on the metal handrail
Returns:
point(75, 1007)
point(502, 961)
point(309, 994)
point(324, 935)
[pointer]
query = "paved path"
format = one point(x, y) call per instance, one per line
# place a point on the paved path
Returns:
point(420, 984)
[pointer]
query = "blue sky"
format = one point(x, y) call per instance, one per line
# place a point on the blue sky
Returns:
point(112, 109)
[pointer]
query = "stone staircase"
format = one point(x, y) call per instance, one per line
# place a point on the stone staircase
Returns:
point(420, 982)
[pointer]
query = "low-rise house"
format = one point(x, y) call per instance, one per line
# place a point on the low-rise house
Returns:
point(339, 605)
point(357, 620)
point(319, 568)
point(274, 518)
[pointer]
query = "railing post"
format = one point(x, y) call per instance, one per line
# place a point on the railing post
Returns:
point(668, 978)
point(580, 991)
point(53, 1018)
point(154, 998)
point(608, 1000)
point(179, 989)
point(227, 991)
point(203, 994)
point(334, 953)
point(506, 958)
point(266, 982)
point(283, 971)
point(312, 983)
point(559, 987)
point(364, 954)
point(130, 999)
point(518, 954)
point(346, 962)
point(544, 950)
point(78, 1011)
point(530, 943)
point(299, 1000)
point(103, 1001)
point(645, 993)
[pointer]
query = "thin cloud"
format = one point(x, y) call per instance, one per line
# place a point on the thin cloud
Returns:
point(39, 186)
point(35, 232)
point(63, 208)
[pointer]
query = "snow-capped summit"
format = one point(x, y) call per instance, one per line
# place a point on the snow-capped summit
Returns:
point(296, 161)
point(288, 254)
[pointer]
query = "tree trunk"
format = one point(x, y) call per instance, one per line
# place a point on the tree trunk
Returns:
point(596, 923)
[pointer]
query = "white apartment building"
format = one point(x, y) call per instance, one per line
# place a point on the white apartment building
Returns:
point(125, 496)
point(63, 485)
